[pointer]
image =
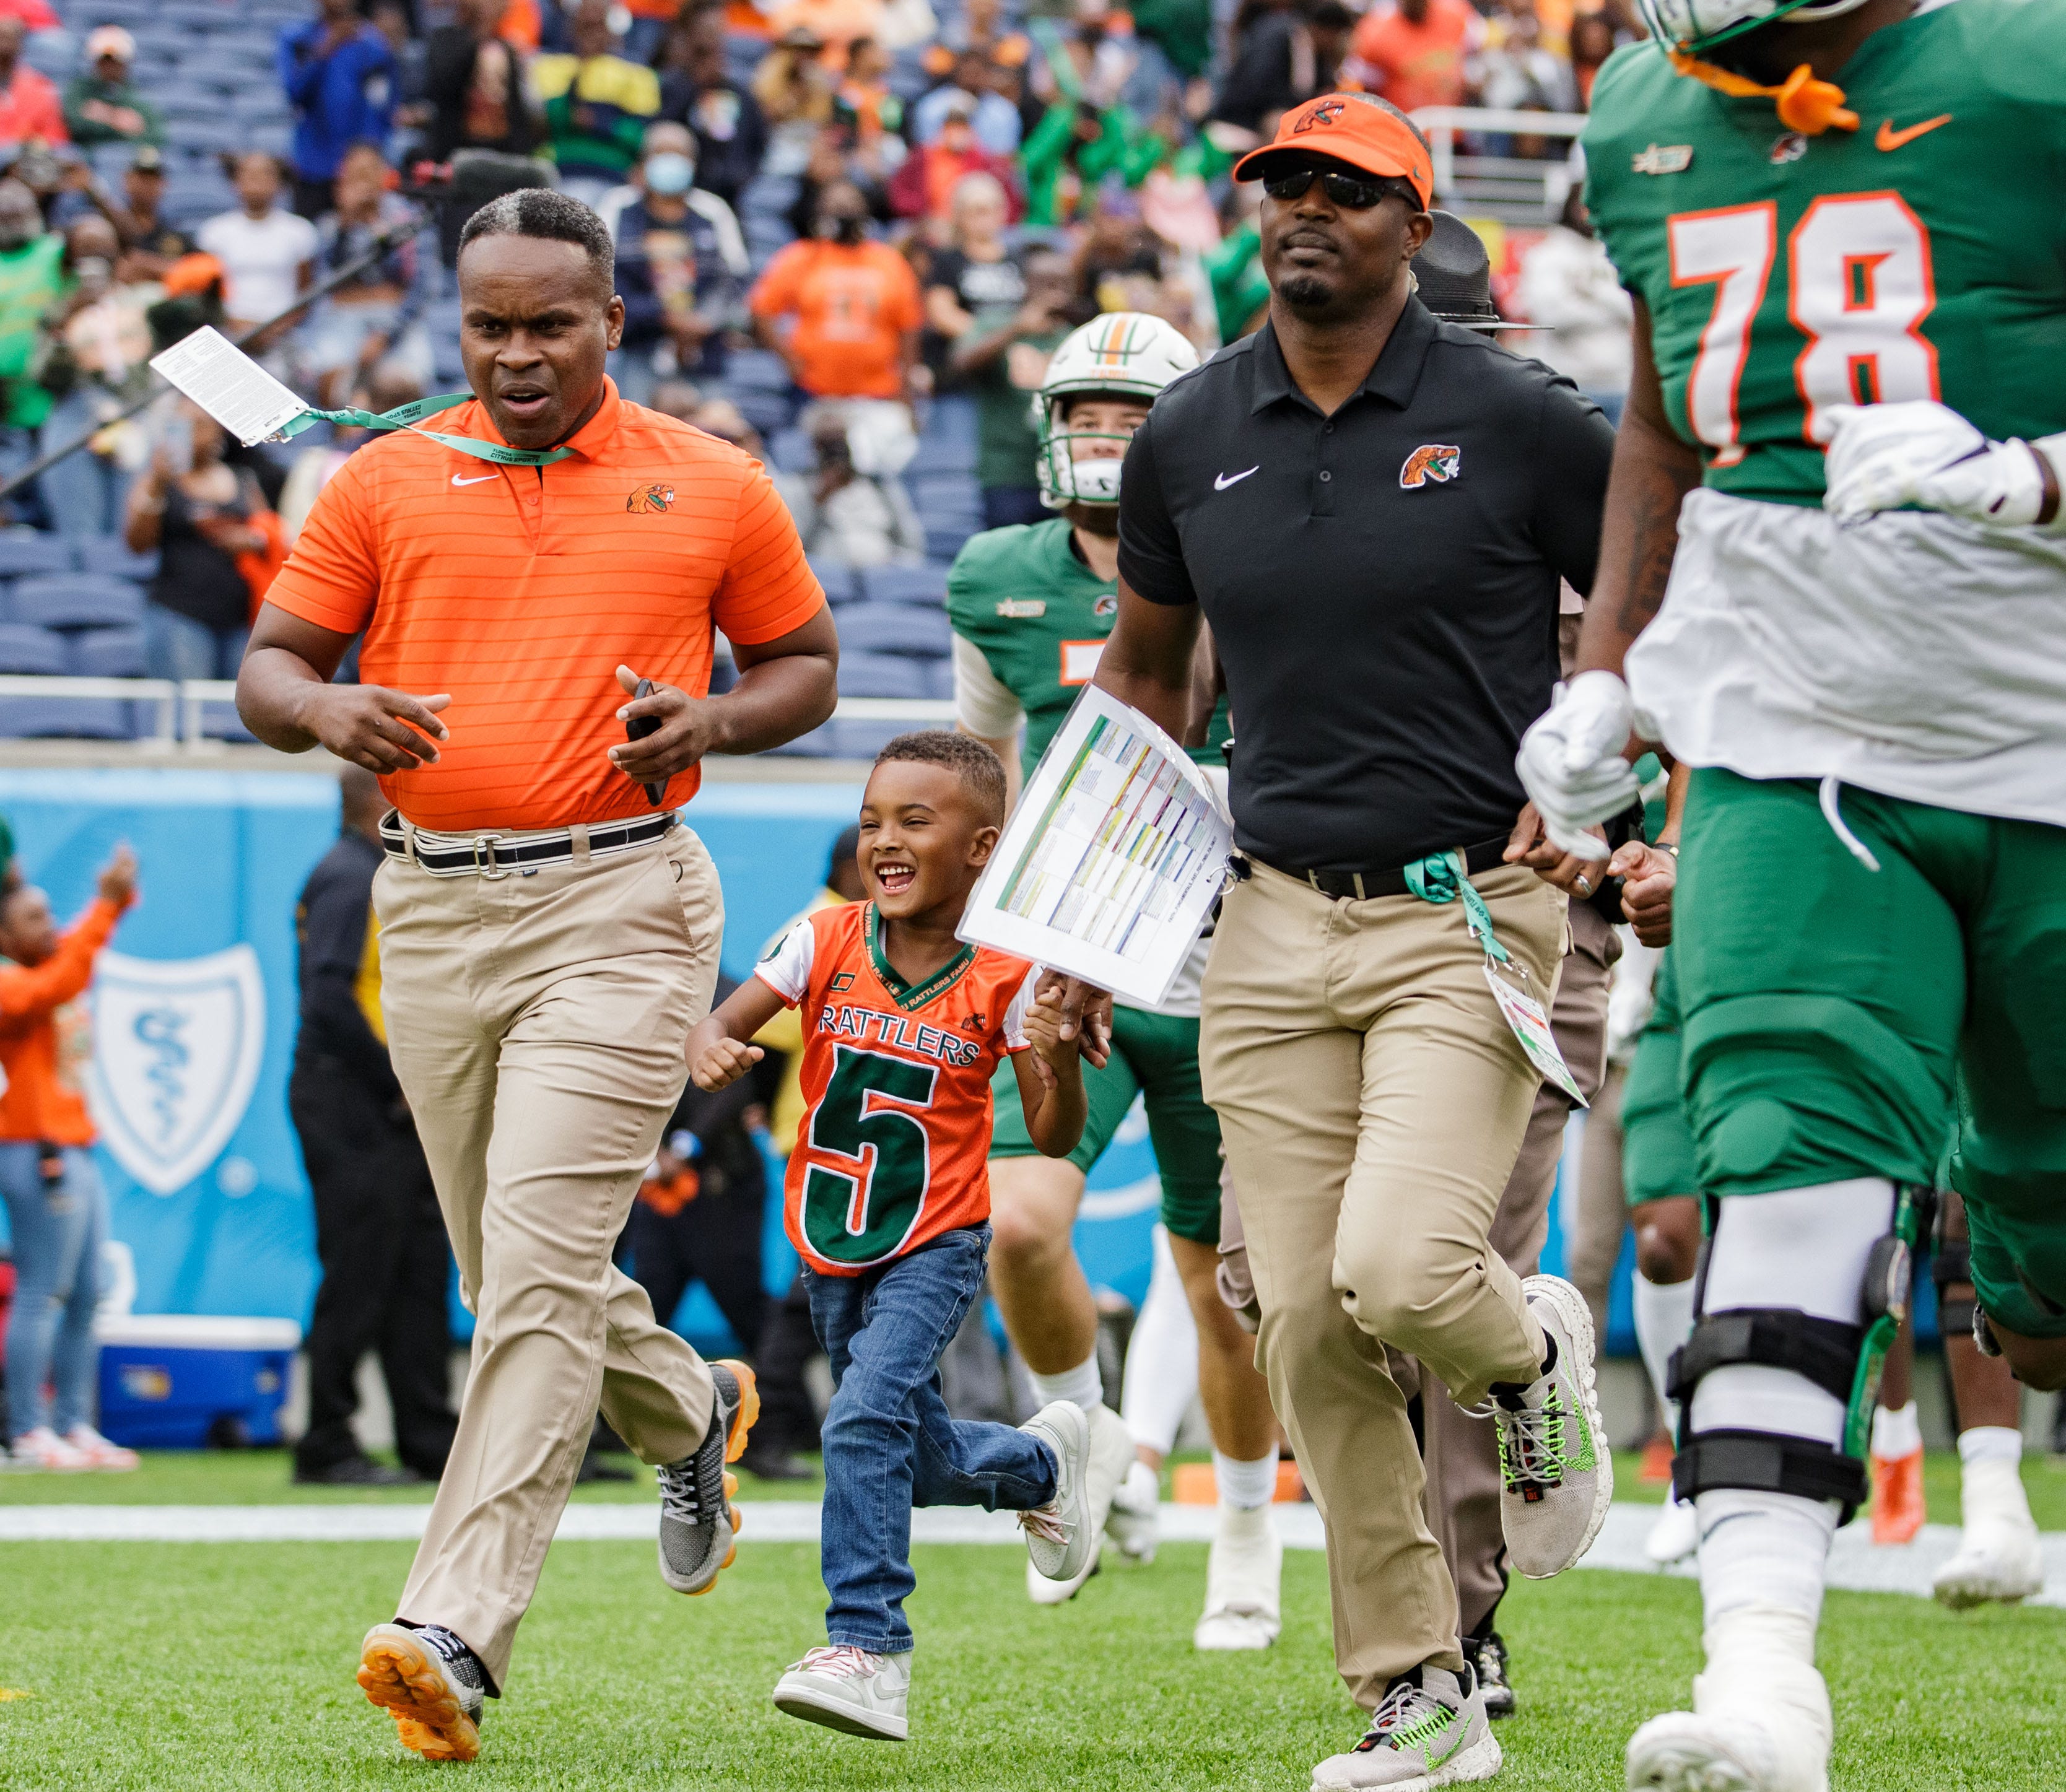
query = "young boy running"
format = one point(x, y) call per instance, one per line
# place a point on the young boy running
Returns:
point(888, 1203)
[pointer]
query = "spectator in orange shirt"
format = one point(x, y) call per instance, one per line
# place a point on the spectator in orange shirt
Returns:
point(853, 305)
point(29, 102)
point(1414, 54)
point(57, 1211)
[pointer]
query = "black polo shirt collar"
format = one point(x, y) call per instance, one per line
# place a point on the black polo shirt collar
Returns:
point(1392, 377)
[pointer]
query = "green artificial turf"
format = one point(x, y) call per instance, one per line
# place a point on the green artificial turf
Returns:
point(154, 1666)
point(265, 1478)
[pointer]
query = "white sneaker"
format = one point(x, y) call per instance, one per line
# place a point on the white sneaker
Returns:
point(1429, 1729)
point(1043, 1591)
point(1676, 1534)
point(100, 1452)
point(43, 1449)
point(1242, 1576)
point(1134, 1523)
point(1556, 1474)
point(1061, 1541)
point(1760, 1717)
point(1999, 1557)
point(1111, 1460)
point(848, 1688)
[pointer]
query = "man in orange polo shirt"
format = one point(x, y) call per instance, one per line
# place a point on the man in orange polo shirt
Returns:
point(549, 933)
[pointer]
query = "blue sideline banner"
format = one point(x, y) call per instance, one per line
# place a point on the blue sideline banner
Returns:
point(195, 1015)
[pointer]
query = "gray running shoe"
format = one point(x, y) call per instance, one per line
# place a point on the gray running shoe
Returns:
point(1060, 1535)
point(1556, 1473)
point(429, 1683)
point(1429, 1729)
point(699, 1527)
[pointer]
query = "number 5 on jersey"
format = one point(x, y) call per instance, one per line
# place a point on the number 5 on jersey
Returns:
point(864, 1217)
point(1859, 285)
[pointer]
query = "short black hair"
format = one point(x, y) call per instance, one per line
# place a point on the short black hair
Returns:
point(554, 217)
point(980, 772)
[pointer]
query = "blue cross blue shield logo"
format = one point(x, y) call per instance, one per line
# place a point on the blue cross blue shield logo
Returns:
point(177, 1045)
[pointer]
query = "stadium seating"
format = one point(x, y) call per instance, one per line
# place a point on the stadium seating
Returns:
point(24, 551)
point(904, 585)
point(34, 651)
point(78, 600)
point(903, 629)
point(113, 557)
point(866, 674)
point(108, 653)
point(837, 577)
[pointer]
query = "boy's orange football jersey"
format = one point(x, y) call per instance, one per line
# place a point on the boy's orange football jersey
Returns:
point(894, 1146)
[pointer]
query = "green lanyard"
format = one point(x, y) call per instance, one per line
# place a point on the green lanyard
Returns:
point(1442, 877)
point(407, 416)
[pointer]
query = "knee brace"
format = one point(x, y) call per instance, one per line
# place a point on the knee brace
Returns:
point(1950, 1265)
point(1759, 1431)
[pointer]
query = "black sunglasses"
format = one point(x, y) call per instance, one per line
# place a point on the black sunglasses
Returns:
point(1352, 192)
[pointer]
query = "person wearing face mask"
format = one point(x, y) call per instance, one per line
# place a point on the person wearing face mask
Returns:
point(843, 311)
point(681, 267)
point(91, 361)
point(924, 187)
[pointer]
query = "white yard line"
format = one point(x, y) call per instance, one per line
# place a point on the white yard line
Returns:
point(1854, 1563)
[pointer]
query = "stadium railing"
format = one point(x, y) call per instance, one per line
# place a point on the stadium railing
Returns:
point(163, 692)
point(1513, 189)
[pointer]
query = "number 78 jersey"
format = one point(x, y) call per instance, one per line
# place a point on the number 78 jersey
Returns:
point(894, 1146)
point(1922, 256)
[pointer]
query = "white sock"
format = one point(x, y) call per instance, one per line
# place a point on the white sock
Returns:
point(1082, 1384)
point(1162, 1357)
point(1663, 1322)
point(1990, 1443)
point(1763, 1549)
point(1245, 1485)
point(1896, 1432)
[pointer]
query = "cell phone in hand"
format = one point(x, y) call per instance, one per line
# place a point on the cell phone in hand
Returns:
point(637, 728)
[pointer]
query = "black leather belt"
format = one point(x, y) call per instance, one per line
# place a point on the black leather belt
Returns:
point(1361, 886)
point(494, 855)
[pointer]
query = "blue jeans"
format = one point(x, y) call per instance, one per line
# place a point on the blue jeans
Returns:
point(84, 493)
point(57, 1230)
point(175, 646)
point(889, 1442)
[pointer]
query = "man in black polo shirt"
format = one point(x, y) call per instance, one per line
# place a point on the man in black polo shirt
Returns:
point(1372, 509)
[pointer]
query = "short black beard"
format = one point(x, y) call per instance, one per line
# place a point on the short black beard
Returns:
point(1306, 293)
point(1095, 519)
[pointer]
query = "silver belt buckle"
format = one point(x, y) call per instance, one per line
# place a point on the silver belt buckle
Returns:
point(489, 871)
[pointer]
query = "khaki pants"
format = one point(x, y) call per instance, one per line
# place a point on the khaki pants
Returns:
point(1461, 1452)
point(537, 1026)
point(1372, 1101)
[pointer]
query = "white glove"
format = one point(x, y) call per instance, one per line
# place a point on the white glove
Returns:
point(1923, 454)
point(1571, 765)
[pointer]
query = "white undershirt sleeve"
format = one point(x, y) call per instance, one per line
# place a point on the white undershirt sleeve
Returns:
point(787, 969)
point(983, 705)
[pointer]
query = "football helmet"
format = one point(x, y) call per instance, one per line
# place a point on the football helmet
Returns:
point(1694, 27)
point(1126, 353)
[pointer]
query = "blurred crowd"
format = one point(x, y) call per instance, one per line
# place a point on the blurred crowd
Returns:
point(835, 218)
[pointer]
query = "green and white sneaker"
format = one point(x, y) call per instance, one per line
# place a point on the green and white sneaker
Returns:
point(1556, 1475)
point(1429, 1729)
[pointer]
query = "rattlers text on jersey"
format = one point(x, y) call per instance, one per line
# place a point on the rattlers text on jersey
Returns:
point(1920, 256)
point(895, 1138)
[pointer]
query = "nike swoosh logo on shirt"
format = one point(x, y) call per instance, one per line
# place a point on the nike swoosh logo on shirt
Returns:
point(475, 480)
point(1889, 138)
point(1226, 479)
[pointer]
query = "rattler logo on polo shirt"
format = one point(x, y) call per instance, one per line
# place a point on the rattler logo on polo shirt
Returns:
point(651, 498)
point(1436, 462)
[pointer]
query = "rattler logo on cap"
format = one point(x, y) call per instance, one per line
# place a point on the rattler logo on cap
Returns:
point(1325, 113)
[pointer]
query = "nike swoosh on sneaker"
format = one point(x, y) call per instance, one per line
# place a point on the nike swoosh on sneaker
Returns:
point(1889, 138)
point(1226, 479)
point(475, 480)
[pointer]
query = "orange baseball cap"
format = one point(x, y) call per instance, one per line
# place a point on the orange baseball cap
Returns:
point(1351, 129)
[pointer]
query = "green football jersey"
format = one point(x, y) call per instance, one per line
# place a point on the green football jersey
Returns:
point(1920, 256)
point(1039, 618)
